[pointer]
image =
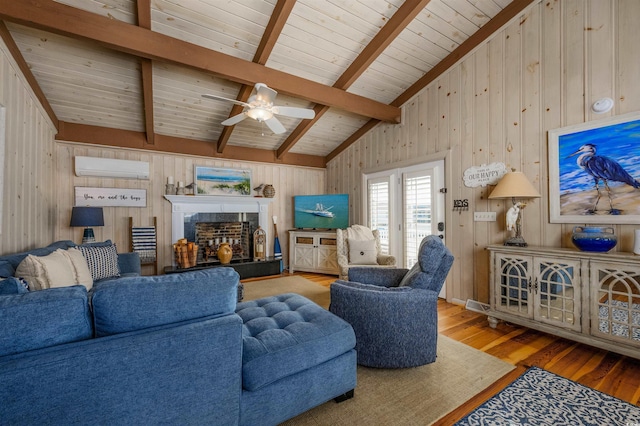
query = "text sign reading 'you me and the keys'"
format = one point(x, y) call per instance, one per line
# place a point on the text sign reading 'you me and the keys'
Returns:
point(110, 197)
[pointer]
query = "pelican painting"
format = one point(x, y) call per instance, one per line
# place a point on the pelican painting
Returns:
point(595, 171)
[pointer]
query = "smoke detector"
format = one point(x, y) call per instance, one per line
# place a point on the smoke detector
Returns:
point(602, 105)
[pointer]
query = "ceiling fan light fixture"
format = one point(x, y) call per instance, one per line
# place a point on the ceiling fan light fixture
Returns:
point(259, 114)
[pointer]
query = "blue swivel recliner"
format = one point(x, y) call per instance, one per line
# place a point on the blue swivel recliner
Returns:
point(394, 311)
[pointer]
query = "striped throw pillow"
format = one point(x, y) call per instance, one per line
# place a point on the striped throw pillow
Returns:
point(102, 261)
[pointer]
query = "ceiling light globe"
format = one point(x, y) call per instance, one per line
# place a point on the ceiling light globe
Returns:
point(259, 114)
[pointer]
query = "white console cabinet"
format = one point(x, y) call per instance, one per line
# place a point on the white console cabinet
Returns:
point(313, 251)
point(593, 298)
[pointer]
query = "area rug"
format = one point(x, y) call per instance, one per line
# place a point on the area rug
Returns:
point(539, 397)
point(411, 396)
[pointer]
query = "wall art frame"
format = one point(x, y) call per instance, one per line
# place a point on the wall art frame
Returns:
point(222, 181)
point(578, 154)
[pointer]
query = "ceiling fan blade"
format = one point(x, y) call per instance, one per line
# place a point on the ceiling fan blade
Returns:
point(221, 98)
point(275, 125)
point(294, 112)
point(234, 120)
point(265, 94)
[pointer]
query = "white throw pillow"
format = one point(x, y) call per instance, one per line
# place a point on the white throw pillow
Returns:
point(362, 252)
point(81, 271)
point(51, 271)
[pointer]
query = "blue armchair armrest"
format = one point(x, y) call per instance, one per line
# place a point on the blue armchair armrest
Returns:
point(386, 277)
point(129, 264)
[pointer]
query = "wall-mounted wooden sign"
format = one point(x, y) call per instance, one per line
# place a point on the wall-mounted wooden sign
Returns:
point(484, 175)
point(110, 197)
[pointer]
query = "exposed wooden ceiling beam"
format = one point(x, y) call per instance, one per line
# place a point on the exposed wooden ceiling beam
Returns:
point(278, 19)
point(146, 71)
point(398, 22)
point(54, 17)
point(387, 34)
point(73, 132)
point(504, 16)
point(26, 71)
point(243, 96)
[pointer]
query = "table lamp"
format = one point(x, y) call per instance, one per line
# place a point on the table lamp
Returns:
point(514, 185)
point(87, 217)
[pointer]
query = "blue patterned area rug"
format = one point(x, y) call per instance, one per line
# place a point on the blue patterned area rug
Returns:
point(539, 397)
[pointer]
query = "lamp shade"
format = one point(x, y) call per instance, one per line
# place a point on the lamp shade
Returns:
point(514, 185)
point(87, 216)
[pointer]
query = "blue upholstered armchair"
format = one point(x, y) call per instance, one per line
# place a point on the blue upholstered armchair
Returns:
point(394, 311)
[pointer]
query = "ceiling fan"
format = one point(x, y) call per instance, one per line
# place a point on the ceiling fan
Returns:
point(260, 107)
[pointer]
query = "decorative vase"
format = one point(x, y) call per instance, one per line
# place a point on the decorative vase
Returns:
point(269, 191)
point(593, 238)
point(225, 253)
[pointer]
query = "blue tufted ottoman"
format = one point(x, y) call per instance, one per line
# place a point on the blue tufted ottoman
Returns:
point(296, 354)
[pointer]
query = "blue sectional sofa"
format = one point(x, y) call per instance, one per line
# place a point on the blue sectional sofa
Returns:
point(168, 349)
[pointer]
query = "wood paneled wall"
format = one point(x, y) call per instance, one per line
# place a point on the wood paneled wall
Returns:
point(28, 184)
point(287, 181)
point(542, 71)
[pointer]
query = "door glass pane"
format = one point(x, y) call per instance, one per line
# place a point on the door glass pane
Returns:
point(555, 287)
point(417, 212)
point(514, 285)
point(379, 210)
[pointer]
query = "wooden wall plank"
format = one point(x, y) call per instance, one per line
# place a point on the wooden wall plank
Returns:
point(538, 69)
point(28, 197)
point(287, 181)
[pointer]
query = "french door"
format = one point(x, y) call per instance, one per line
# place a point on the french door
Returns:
point(406, 205)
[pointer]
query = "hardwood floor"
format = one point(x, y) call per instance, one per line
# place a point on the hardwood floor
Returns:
point(605, 371)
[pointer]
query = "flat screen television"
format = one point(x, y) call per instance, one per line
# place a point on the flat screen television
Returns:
point(327, 211)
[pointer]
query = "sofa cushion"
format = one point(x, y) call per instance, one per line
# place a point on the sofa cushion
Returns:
point(6, 270)
point(133, 303)
point(362, 252)
point(15, 259)
point(285, 334)
point(13, 285)
point(45, 318)
point(50, 271)
point(102, 260)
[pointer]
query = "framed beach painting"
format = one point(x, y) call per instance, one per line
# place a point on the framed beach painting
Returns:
point(594, 172)
point(219, 181)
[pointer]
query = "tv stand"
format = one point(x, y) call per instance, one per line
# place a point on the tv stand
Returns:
point(313, 251)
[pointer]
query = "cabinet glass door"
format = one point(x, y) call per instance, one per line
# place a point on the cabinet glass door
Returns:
point(556, 294)
point(512, 293)
point(615, 302)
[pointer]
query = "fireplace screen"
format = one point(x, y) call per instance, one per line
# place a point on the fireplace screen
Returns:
point(209, 230)
point(209, 236)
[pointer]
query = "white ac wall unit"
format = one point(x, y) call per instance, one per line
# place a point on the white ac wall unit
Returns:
point(113, 168)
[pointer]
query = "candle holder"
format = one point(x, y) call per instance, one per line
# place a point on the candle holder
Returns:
point(170, 189)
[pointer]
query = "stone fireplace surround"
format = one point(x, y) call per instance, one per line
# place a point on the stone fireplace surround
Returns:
point(217, 209)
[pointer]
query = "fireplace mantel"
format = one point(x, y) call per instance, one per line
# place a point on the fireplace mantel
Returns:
point(189, 204)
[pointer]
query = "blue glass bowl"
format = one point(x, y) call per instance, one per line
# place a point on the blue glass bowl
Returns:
point(594, 238)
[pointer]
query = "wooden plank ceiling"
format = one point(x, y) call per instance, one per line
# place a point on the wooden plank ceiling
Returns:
point(131, 73)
